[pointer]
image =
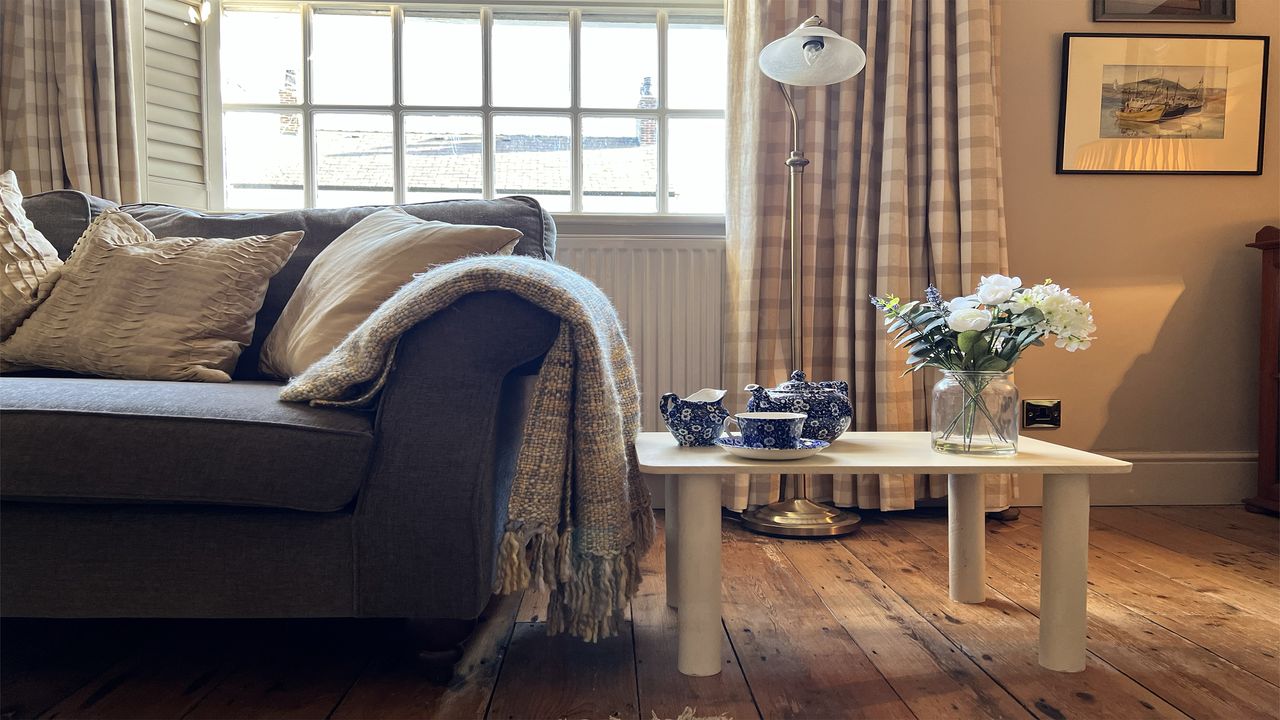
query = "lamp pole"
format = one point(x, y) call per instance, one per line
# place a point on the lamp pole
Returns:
point(811, 55)
point(796, 162)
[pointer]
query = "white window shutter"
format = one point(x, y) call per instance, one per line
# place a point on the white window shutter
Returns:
point(172, 106)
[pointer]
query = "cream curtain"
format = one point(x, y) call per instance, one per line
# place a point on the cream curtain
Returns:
point(66, 111)
point(908, 158)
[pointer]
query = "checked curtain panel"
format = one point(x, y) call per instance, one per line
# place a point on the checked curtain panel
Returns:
point(910, 193)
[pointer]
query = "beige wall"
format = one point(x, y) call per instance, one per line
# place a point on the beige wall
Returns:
point(1175, 293)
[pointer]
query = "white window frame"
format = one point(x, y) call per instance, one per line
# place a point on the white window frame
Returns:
point(575, 221)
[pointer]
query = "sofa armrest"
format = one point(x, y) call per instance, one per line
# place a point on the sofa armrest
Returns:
point(448, 430)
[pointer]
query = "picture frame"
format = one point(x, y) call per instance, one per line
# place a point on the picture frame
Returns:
point(1162, 104)
point(1223, 11)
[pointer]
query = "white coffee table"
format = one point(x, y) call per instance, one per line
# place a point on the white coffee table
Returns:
point(693, 526)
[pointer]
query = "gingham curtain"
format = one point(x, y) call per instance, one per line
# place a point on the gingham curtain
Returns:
point(904, 189)
point(66, 110)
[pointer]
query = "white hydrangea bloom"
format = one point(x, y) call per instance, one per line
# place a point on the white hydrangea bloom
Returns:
point(1066, 316)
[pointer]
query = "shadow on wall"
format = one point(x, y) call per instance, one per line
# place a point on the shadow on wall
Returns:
point(1191, 384)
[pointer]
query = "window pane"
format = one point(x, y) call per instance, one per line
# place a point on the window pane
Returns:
point(695, 165)
point(531, 157)
point(697, 59)
point(620, 62)
point(442, 59)
point(531, 65)
point(351, 58)
point(443, 157)
point(620, 164)
point(263, 58)
point(263, 160)
point(354, 153)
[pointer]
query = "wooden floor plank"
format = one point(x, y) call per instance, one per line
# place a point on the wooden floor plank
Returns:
point(1224, 561)
point(926, 669)
point(44, 661)
point(662, 688)
point(999, 634)
point(1261, 532)
point(1191, 678)
point(533, 608)
point(1190, 541)
point(392, 686)
point(797, 658)
point(294, 670)
point(1205, 618)
point(1242, 590)
point(163, 679)
point(564, 677)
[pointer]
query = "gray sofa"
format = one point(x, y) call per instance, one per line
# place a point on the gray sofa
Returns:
point(127, 498)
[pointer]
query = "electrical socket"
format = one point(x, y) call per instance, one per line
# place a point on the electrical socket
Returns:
point(1041, 414)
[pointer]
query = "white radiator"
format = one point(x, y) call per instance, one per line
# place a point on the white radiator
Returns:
point(669, 293)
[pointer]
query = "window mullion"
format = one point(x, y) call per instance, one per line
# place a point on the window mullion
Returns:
point(487, 142)
point(400, 180)
point(308, 120)
point(662, 113)
point(575, 107)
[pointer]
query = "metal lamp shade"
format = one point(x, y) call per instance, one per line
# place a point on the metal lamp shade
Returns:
point(787, 60)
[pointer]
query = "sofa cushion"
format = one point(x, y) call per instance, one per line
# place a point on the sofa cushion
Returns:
point(130, 305)
point(322, 226)
point(361, 269)
point(64, 215)
point(167, 442)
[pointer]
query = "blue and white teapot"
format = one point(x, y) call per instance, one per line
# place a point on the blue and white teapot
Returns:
point(696, 420)
point(826, 403)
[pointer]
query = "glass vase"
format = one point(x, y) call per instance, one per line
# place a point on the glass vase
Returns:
point(975, 413)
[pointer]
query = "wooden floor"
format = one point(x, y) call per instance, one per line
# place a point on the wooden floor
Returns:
point(1184, 609)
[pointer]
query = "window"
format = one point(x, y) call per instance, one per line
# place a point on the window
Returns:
point(592, 111)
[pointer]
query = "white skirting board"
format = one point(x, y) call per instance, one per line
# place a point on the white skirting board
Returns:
point(1158, 478)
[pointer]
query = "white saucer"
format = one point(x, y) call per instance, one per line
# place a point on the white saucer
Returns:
point(808, 448)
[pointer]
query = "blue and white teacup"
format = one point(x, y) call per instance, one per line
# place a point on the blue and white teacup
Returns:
point(773, 430)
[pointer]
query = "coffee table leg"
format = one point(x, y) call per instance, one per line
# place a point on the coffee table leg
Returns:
point(966, 538)
point(1064, 572)
point(700, 630)
point(672, 529)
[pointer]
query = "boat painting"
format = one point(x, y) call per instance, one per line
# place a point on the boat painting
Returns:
point(1177, 101)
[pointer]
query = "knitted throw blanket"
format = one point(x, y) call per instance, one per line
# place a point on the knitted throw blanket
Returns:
point(579, 517)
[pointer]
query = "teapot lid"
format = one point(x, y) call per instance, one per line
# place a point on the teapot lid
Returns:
point(798, 383)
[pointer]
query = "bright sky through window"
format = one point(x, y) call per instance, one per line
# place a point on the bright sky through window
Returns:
point(609, 152)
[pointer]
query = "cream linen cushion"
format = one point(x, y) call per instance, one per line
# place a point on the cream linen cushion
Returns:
point(358, 271)
point(30, 261)
point(129, 305)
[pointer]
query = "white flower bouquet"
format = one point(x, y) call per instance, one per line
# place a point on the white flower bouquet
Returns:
point(975, 340)
point(988, 330)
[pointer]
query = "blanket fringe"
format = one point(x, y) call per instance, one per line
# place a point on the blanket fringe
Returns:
point(588, 593)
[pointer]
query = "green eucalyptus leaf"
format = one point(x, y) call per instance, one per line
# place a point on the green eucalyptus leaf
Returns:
point(967, 339)
point(992, 363)
point(907, 339)
point(923, 349)
point(935, 324)
point(1033, 313)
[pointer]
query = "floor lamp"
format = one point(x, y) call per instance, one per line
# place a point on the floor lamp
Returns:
point(811, 55)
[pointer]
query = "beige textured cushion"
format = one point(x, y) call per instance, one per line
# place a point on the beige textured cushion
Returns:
point(129, 305)
point(30, 261)
point(358, 271)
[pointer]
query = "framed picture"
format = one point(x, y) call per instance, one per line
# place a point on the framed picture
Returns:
point(1164, 10)
point(1175, 104)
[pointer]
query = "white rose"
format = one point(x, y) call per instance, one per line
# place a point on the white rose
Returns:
point(995, 289)
point(969, 319)
point(962, 303)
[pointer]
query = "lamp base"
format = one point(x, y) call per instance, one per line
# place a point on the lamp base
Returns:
point(800, 517)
